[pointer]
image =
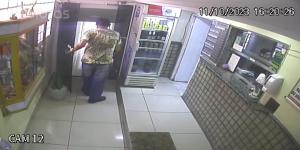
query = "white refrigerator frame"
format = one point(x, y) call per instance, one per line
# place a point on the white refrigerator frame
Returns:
point(149, 80)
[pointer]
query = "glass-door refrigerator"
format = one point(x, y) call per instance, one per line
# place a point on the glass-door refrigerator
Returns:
point(149, 51)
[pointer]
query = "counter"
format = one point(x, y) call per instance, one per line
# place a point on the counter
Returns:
point(228, 117)
point(235, 83)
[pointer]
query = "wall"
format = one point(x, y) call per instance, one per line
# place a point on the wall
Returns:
point(182, 23)
point(171, 59)
point(286, 113)
point(90, 12)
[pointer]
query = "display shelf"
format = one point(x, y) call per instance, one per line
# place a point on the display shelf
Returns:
point(253, 60)
point(22, 46)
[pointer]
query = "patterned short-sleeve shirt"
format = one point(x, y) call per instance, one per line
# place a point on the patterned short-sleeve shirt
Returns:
point(101, 46)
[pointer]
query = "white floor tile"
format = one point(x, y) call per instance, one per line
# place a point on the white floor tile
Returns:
point(175, 123)
point(164, 80)
point(43, 147)
point(162, 89)
point(111, 100)
point(110, 97)
point(139, 121)
point(69, 98)
point(135, 102)
point(131, 90)
point(55, 110)
point(191, 142)
point(106, 111)
point(104, 115)
point(92, 148)
point(96, 135)
point(55, 132)
point(165, 103)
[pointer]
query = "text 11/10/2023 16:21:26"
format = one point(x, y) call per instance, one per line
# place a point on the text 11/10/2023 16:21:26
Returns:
point(246, 11)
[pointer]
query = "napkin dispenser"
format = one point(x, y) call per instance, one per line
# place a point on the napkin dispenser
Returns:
point(273, 84)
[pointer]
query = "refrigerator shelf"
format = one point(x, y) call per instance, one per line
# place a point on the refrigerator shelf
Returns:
point(154, 30)
point(147, 40)
point(151, 48)
point(147, 58)
point(141, 73)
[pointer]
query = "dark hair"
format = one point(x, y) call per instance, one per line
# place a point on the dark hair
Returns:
point(103, 22)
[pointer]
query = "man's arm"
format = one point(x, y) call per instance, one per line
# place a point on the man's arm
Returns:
point(78, 46)
point(119, 44)
point(118, 47)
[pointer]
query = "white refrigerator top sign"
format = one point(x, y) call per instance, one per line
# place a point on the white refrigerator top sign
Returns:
point(169, 11)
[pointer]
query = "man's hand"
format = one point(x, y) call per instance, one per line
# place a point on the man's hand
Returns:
point(71, 50)
point(77, 47)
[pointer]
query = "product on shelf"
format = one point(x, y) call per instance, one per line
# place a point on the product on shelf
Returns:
point(6, 76)
point(26, 63)
point(155, 24)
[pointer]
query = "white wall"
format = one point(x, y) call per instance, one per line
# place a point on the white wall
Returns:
point(181, 25)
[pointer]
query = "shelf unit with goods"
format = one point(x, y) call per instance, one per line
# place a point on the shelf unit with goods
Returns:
point(22, 60)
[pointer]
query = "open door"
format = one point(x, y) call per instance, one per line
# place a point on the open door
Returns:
point(67, 33)
point(122, 25)
point(192, 50)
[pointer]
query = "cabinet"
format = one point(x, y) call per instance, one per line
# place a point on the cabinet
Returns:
point(21, 58)
point(264, 52)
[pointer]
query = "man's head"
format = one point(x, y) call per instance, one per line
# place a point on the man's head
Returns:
point(103, 23)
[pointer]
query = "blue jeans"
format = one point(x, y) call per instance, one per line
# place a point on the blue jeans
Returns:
point(94, 76)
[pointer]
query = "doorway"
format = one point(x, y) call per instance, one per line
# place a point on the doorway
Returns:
point(189, 57)
point(82, 28)
point(192, 48)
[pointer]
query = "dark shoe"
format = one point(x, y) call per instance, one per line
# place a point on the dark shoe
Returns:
point(102, 98)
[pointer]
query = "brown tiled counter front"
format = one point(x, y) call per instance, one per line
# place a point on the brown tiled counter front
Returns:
point(228, 118)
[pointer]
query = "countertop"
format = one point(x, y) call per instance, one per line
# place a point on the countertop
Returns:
point(238, 86)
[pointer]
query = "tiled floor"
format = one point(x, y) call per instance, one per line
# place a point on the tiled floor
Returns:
point(73, 124)
point(163, 110)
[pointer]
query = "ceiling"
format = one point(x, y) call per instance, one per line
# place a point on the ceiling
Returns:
point(285, 25)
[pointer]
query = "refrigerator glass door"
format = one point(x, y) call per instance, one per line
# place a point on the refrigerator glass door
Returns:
point(151, 45)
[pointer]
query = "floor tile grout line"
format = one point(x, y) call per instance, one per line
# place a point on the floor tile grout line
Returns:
point(149, 113)
point(72, 122)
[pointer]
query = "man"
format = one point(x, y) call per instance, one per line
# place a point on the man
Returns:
point(97, 59)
